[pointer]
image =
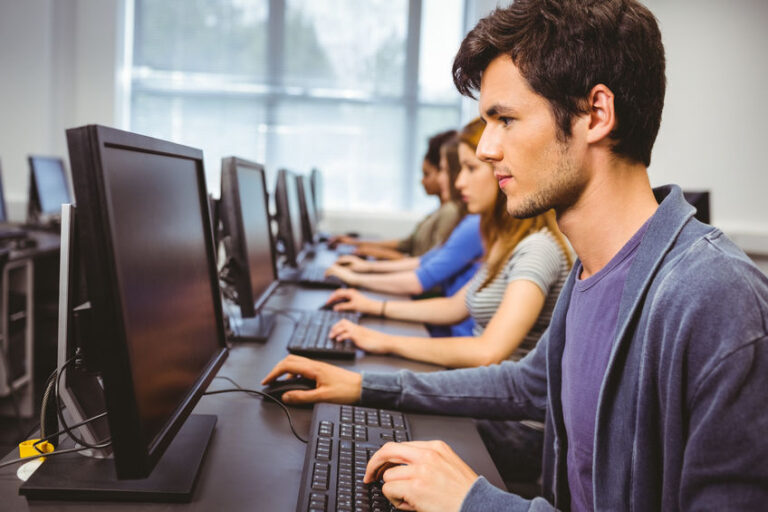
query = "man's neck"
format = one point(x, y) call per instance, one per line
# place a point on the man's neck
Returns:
point(614, 205)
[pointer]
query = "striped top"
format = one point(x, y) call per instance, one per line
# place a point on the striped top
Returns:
point(537, 258)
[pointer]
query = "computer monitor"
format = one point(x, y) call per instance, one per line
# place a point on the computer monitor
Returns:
point(48, 190)
point(308, 212)
point(213, 208)
point(316, 183)
point(152, 324)
point(3, 211)
point(699, 199)
point(245, 216)
point(289, 217)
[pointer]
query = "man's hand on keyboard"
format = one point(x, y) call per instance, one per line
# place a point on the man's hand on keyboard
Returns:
point(334, 384)
point(367, 339)
point(421, 475)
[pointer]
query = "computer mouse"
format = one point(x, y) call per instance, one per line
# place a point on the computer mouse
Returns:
point(276, 388)
point(328, 306)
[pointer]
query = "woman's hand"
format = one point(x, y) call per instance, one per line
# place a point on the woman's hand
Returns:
point(354, 263)
point(333, 384)
point(343, 273)
point(354, 301)
point(342, 239)
point(367, 339)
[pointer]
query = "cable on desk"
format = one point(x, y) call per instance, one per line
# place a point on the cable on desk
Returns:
point(80, 424)
point(240, 389)
point(51, 454)
point(62, 421)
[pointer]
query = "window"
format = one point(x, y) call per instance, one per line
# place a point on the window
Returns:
point(351, 87)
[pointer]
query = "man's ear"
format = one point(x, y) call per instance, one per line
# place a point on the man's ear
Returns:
point(602, 114)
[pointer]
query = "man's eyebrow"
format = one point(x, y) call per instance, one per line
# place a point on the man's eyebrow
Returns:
point(498, 110)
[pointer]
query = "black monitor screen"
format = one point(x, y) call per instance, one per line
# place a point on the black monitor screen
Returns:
point(309, 208)
point(316, 182)
point(294, 213)
point(256, 226)
point(3, 214)
point(699, 199)
point(158, 236)
point(51, 184)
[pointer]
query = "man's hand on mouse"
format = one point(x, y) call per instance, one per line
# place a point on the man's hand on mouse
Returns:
point(421, 475)
point(353, 300)
point(334, 384)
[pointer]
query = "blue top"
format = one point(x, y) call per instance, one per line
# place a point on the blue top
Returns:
point(681, 416)
point(589, 329)
point(453, 264)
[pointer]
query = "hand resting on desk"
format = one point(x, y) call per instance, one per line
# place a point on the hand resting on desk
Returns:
point(334, 384)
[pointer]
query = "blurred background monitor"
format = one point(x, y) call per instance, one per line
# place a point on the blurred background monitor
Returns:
point(700, 200)
point(289, 217)
point(316, 184)
point(308, 210)
point(245, 217)
point(149, 316)
point(48, 189)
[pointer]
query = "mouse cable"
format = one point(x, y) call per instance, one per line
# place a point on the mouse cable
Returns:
point(60, 432)
point(263, 395)
point(59, 409)
point(52, 454)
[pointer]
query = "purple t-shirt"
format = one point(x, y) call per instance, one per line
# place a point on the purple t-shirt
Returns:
point(590, 328)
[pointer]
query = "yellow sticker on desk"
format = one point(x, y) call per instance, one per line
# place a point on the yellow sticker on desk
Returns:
point(28, 449)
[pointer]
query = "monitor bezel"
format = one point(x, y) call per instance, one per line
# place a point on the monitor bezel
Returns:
point(294, 255)
point(3, 208)
point(135, 456)
point(305, 194)
point(316, 185)
point(232, 217)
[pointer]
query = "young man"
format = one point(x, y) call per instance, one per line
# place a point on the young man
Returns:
point(653, 376)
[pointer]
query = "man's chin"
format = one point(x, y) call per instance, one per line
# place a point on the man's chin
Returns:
point(523, 209)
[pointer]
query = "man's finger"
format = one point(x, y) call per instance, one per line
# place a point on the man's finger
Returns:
point(393, 453)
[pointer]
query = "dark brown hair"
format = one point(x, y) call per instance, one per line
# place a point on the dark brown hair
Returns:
point(563, 48)
point(433, 146)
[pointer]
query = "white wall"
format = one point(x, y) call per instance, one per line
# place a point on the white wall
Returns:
point(58, 67)
point(714, 131)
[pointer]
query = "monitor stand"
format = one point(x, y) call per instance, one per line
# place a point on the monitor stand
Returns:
point(75, 477)
point(257, 328)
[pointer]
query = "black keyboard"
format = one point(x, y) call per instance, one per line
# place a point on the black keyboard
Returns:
point(342, 440)
point(310, 336)
point(311, 276)
point(312, 273)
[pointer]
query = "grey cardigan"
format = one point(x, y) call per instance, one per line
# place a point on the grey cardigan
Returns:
point(682, 417)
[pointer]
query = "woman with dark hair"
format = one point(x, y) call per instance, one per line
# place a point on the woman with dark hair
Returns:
point(435, 228)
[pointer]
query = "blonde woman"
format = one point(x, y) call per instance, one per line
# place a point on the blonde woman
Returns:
point(511, 298)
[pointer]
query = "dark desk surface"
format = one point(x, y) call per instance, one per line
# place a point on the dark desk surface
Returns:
point(253, 462)
point(253, 472)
